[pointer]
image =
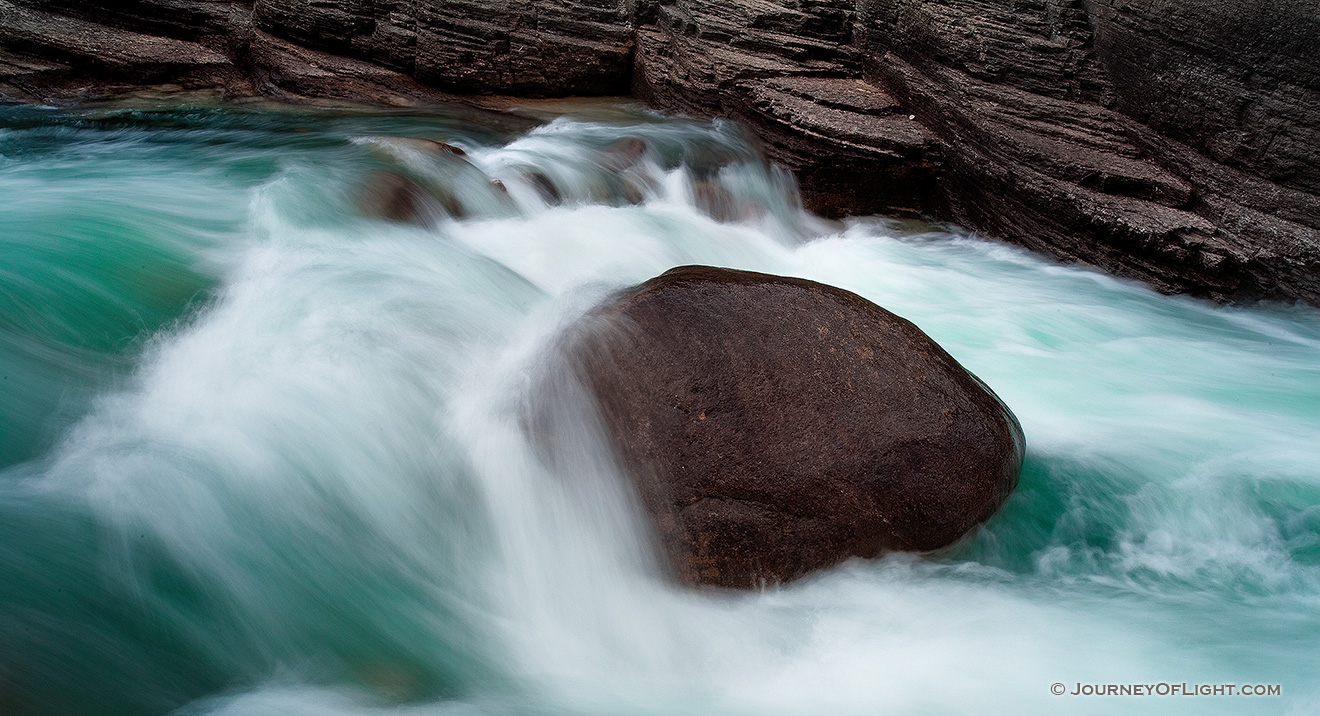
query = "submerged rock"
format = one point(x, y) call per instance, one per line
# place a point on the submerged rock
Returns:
point(623, 181)
point(545, 188)
point(715, 201)
point(774, 426)
point(421, 192)
point(396, 197)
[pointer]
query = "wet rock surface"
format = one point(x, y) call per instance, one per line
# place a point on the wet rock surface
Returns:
point(559, 47)
point(1163, 140)
point(774, 426)
point(1173, 141)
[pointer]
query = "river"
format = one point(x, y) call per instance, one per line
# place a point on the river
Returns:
point(263, 454)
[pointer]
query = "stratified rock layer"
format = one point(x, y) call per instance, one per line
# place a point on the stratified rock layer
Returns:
point(774, 426)
point(1174, 141)
point(790, 71)
point(536, 47)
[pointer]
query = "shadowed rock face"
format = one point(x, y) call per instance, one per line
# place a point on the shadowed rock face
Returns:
point(1173, 141)
point(526, 47)
point(774, 426)
point(790, 71)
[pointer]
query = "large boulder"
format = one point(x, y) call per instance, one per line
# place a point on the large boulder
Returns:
point(774, 426)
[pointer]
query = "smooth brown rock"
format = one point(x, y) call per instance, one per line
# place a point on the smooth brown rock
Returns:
point(395, 197)
point(775, 426)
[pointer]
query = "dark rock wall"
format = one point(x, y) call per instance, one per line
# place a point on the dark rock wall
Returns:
point(1154, 139)
point(43, 52)
point(1174, 141)
point(1238, 80)
point(555, 47)
point(526, 47)
point(184, 19)
point(789, 70)
point(1040, 46)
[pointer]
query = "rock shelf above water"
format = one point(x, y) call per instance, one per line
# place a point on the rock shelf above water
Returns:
point(1176, 142)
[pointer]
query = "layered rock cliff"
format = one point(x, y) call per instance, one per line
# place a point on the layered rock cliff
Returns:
point(1171, 140)
point(1174, 141)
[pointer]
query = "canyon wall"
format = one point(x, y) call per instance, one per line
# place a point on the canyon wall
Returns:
point(1172, 141)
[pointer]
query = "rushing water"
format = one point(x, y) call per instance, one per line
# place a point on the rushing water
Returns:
point(262, 454)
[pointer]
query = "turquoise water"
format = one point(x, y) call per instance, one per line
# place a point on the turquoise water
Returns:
point(262, 454)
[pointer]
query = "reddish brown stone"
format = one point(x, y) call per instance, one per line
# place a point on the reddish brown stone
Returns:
point(774, 426)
